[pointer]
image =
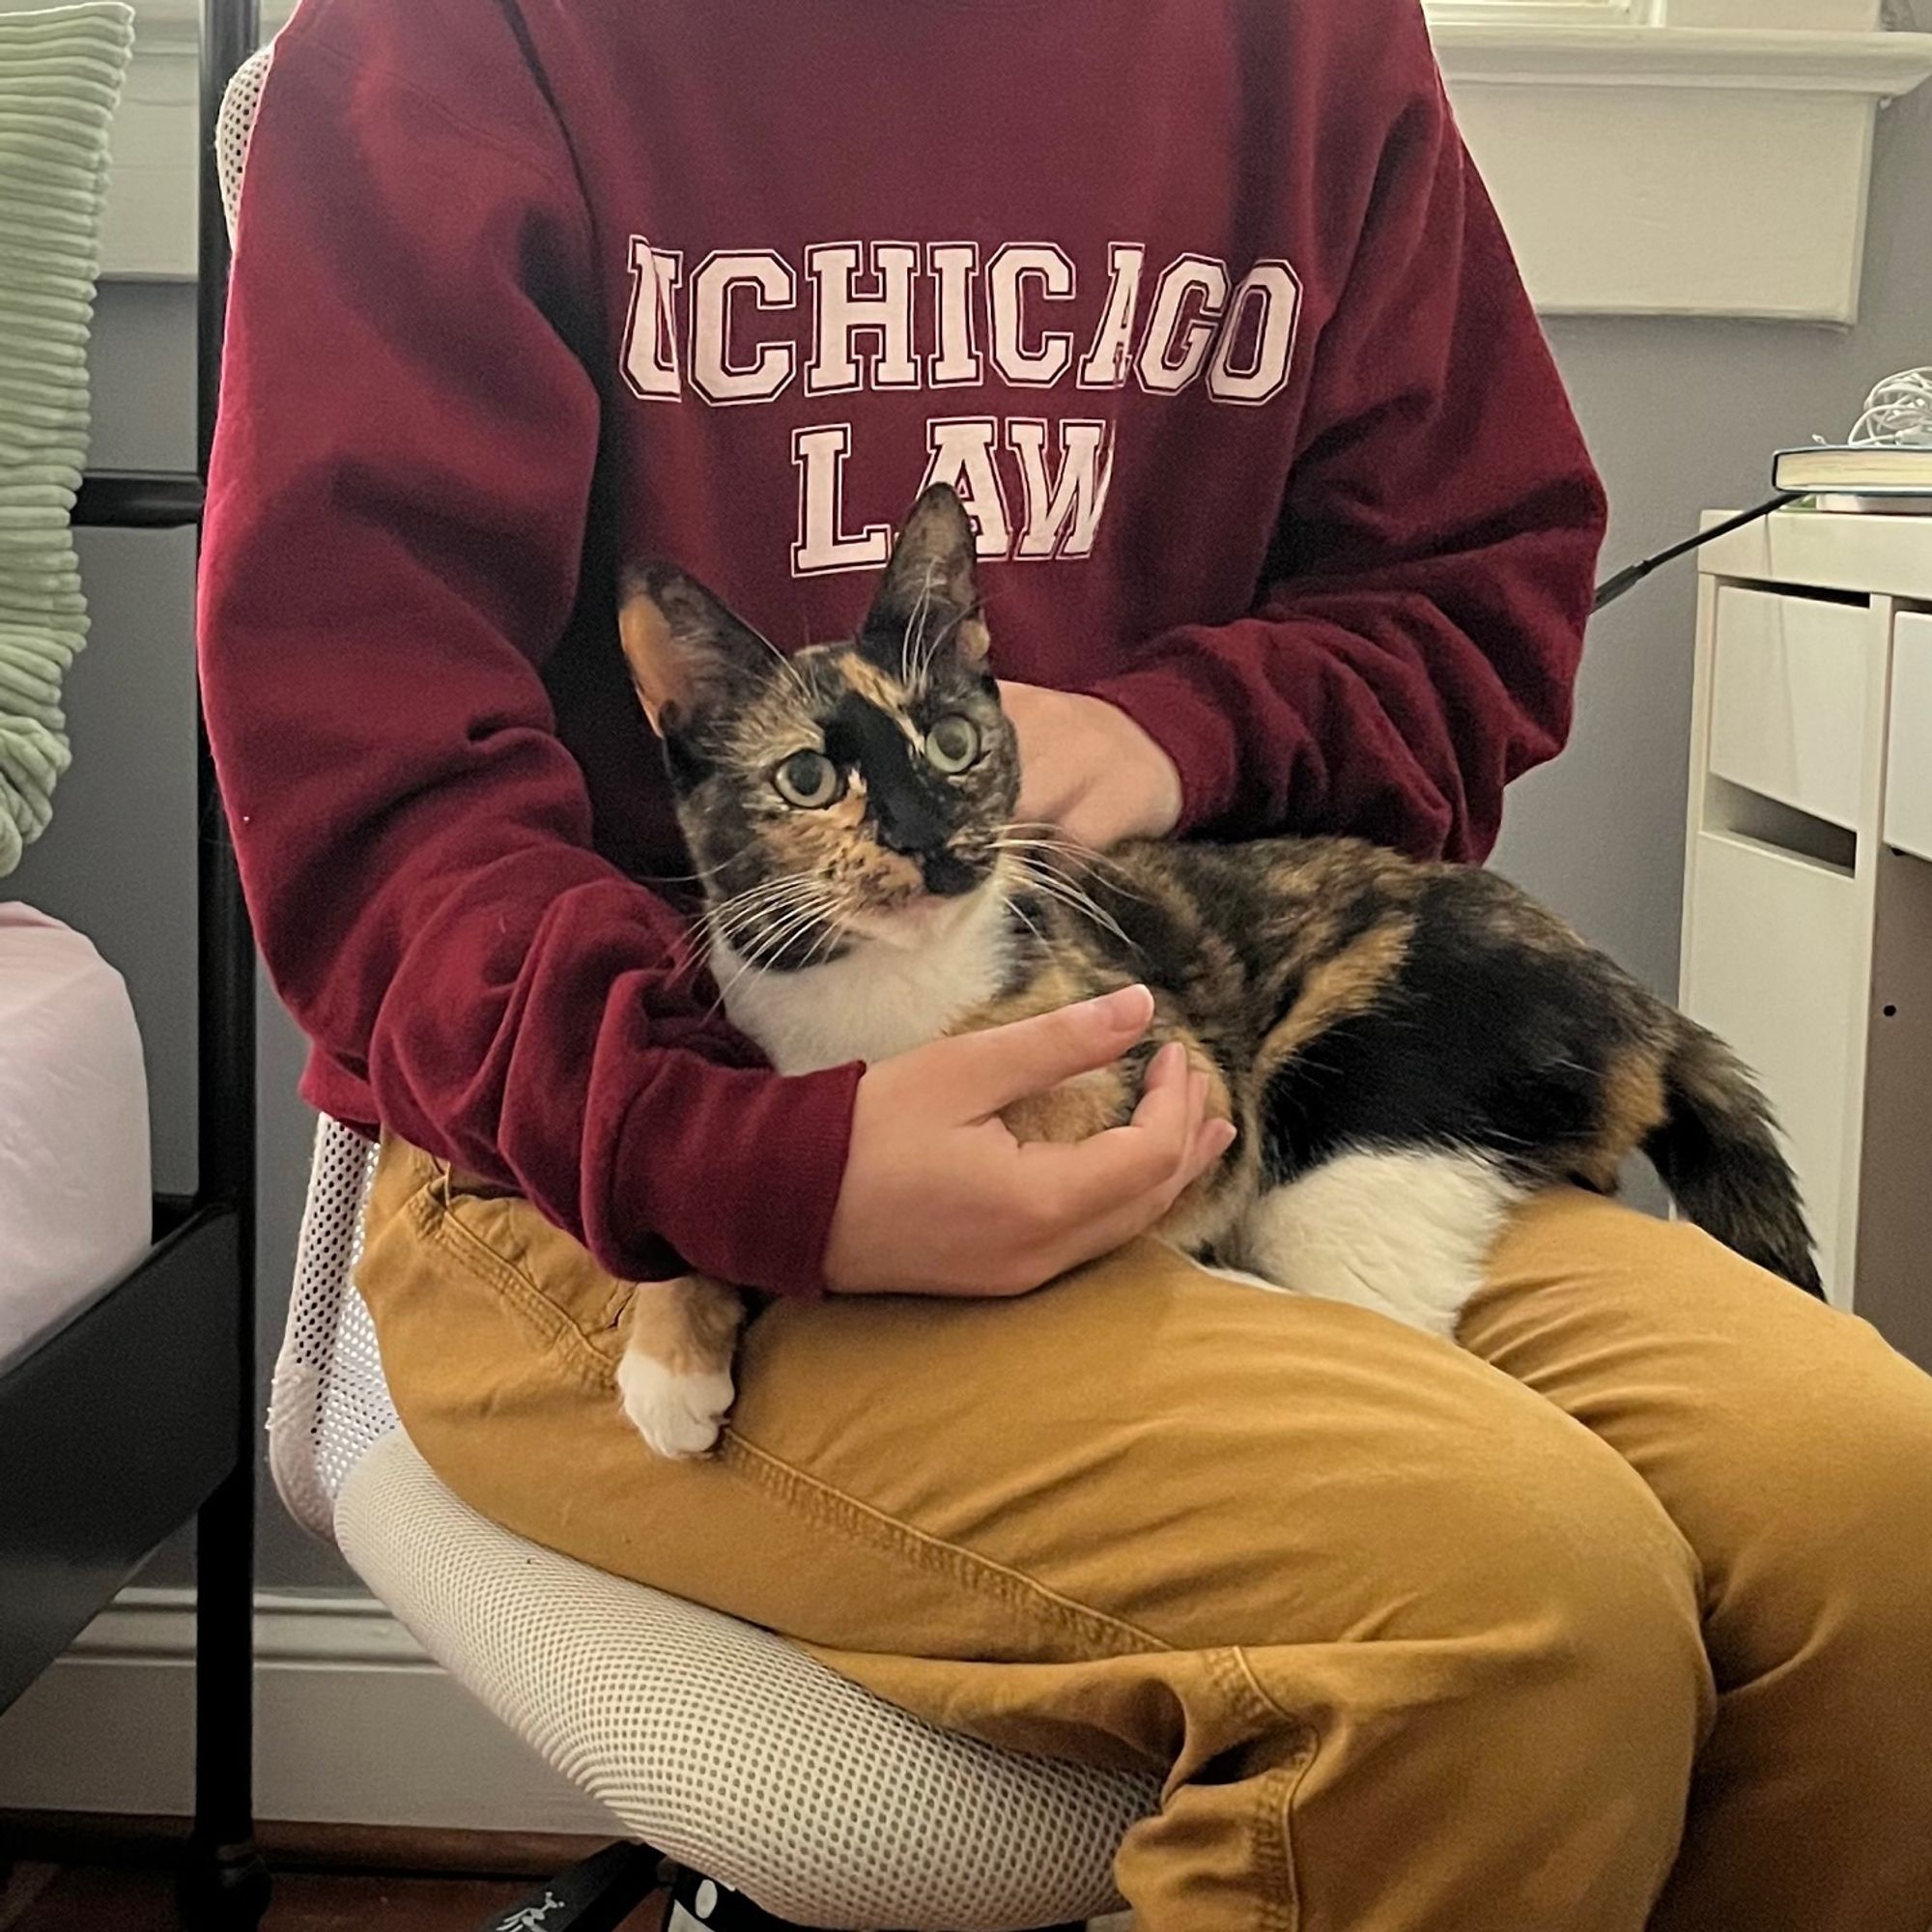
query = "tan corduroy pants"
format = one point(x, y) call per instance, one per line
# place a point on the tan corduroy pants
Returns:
point(1620, 1615)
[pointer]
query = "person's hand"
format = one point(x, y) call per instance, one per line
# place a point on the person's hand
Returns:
point(940, 1198)
point(1087, 768)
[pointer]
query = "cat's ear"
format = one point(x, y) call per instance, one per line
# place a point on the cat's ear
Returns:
point(688, 654)
point(932, 590)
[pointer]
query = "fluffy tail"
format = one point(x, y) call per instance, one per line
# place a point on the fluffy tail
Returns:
point(1718, 1155)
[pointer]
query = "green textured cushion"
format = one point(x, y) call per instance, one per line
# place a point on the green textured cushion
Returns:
point(60, 79)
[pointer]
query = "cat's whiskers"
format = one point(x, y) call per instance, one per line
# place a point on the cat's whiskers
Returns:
point(748, 962)
point(776, 939)
point(777, 887)
point(790, 669)
point(752, 938)
point(729, 924)
point(1044, 861)
point(918, 615)
point(938, 643)
point(1019, 837)
point(1020, 913)
point(774, 943)
point(700, 878)
point(1077, 902)
point(797, 892)
point(725, 912)
point(1056, 885)
point(726, 921)
point(835, 931)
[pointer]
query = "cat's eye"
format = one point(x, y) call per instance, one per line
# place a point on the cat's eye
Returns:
point(952, 744)
point(809, 781)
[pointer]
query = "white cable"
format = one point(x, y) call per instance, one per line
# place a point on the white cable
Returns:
point(1899, 411)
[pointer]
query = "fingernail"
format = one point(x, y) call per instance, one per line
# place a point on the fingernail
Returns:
point(1226, 1133)
point(1129, 1007)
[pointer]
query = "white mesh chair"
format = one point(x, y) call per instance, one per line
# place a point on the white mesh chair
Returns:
point(773, 1786)
point(754, 1768)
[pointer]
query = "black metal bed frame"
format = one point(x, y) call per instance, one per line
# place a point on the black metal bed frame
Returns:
point(142, 1411)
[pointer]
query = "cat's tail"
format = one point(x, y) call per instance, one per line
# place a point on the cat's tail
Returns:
point(1718, 1155)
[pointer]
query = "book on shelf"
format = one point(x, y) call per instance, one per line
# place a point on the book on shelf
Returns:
point(1862, 476)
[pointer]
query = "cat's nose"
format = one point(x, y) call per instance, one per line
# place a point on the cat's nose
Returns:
point(911, 834)
point(947, 877)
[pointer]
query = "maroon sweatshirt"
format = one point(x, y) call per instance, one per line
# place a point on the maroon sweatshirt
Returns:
point(1199, 303)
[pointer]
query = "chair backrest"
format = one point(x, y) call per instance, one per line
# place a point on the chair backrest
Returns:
point(330, 1401)
point(235, 124)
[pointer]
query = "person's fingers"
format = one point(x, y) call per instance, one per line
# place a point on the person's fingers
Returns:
point(1069, 1186)
point(1168, 1068)
point(1216, 1138)
point(1141, 1214)
point(1139, 1209)
point(1170, 1106)
point(1212, 1138)
point(1203, 1141)
point(985, 1071)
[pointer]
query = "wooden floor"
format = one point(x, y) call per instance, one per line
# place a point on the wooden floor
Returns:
point(61, 1888)
point(53, 1898)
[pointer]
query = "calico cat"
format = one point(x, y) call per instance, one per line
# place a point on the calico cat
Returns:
point(1407, 1049)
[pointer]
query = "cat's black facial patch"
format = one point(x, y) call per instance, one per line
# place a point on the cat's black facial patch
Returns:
point(907, 806)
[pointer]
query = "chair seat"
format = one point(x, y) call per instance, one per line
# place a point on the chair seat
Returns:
point(725, 1746)
point(719, 1743)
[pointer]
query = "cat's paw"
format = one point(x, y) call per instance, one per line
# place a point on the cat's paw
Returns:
point(679, 1415)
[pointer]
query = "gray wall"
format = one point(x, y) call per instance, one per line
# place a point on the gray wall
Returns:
point(1683, 415)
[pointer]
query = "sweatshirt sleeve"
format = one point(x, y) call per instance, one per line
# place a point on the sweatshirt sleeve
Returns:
point(394, 538)
point(1415, 644)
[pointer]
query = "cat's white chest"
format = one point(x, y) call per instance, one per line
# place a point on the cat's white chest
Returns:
point(878, 1000)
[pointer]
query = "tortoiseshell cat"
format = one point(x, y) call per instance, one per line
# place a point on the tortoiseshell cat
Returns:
point(1407, 1049)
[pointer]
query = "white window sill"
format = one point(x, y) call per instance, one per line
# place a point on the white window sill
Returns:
point(1681, 170)
point(1669, 170)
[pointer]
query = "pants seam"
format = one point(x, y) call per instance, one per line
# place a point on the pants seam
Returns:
point(1274, 1846)
point(560, 1336)
point(1268, 1705)
point(1108, 1636)
point(1271, 1825)
point(799, 1489)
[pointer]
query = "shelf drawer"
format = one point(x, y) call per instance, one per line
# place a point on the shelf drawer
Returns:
point(1774, 964)
point(1908, 781)
point(1792, 678)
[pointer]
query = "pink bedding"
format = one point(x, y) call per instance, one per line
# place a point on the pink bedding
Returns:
point(74, 1188)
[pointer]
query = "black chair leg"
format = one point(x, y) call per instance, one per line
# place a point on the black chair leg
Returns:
point(224, 1884)
point(595, 1896)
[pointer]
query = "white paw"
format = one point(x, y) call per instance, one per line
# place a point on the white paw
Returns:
point(680, 1416)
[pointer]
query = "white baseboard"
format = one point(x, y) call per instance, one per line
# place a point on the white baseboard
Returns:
point(354, 1724)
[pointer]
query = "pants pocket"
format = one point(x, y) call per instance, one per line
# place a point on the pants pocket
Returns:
point(552, 1281)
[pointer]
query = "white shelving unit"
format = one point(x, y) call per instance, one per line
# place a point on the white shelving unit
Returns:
point(1808, 896)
